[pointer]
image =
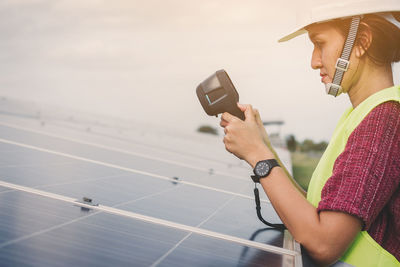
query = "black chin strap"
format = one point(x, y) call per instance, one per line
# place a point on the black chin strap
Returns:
point(278, 226)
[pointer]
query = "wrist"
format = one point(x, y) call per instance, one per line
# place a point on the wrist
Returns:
point(261, 154)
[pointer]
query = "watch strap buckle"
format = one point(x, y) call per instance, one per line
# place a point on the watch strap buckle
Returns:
point(255, 178)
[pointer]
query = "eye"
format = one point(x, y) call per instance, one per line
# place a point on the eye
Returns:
point(318, 43)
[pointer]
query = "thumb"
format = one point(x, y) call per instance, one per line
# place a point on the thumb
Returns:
point(241, 107)
point(257, 116)
point(247, 110)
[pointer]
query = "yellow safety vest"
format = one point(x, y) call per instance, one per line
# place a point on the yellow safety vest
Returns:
point(364, 251)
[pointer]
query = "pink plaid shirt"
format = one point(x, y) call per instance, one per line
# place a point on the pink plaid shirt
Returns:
point(366, 177)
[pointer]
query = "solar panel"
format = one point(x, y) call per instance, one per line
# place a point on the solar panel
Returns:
point(126, 195)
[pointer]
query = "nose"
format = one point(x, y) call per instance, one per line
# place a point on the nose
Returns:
point(316, 62)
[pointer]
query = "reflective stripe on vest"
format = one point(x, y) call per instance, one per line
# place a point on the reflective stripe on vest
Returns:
point(364, 251)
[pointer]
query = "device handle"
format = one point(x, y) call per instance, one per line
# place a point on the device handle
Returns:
point(235, 111)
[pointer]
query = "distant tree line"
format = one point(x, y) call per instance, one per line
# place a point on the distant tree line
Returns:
point(306, 146)
point(292, 144)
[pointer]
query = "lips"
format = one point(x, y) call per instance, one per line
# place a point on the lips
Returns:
point(324, 77)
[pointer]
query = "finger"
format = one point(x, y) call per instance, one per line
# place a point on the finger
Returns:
point(225, 130)
point(223, 123)
point(248, 111)
point(227, 117)
point(225, 143)
point(257, 115)
point(241, 107)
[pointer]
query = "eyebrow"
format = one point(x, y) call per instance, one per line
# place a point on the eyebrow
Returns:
point(313, 35)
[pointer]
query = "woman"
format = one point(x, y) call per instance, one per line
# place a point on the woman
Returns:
point(351, 211)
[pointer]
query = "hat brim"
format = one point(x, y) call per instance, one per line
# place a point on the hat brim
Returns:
point(292, 35)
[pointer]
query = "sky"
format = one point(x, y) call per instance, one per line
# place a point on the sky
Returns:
point(142, 60)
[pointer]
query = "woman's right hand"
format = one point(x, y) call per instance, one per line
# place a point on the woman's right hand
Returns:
point(261, 127)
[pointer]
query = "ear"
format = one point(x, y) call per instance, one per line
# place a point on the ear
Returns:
point(364, 39)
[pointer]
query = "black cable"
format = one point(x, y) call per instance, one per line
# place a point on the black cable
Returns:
point(278, 226)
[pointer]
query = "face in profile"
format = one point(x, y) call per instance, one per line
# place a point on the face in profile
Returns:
point(328, 43)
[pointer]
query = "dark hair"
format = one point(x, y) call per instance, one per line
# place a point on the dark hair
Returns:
point(385, 45)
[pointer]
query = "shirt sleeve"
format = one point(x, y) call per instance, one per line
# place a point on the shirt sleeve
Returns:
point(367, 173)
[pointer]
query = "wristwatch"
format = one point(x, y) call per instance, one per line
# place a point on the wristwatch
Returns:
point(263, 168)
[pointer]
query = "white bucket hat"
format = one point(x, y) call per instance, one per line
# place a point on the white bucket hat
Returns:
point(318, 11)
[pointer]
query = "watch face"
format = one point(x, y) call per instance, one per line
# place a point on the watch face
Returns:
point(262, 169)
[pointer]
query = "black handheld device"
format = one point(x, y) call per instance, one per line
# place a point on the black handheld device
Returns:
point(217, 95)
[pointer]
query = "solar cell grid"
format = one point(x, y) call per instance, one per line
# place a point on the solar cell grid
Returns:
point(174, 154)
point(109, 188)
point(70, 238)
point(51, 232)
point(178, 175)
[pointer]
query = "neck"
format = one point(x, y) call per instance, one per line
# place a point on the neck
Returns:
point(370, 80)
